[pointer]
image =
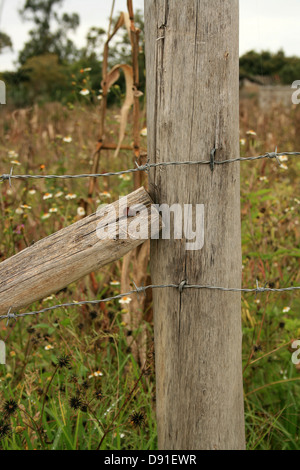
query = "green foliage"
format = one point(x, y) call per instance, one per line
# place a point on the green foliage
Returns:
point(5, 42)
point(47, 78)
point(277, 66)
point(44, 40)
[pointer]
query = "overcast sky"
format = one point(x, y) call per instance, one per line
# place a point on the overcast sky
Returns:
point(264, 24)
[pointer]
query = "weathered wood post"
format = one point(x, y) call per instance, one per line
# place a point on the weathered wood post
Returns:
point(192, 65)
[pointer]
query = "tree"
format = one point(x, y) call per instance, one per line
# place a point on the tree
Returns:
point(277, 66)
point(43, 39)
point(5, 42)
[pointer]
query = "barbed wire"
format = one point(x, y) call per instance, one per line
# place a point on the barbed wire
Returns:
point(183, 285)
point(146, 167)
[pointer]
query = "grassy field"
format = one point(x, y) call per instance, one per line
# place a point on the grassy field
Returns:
point(71, 381)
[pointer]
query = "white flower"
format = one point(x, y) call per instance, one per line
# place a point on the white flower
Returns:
point(124, 177)
point(46, 216)
point(32, 192)
point(13, 154)
point(84, 92)
point(81, 212)
point(286, 309)
point(144, 132)
point(96, 374)
point(70, 196)
point(125, 300)
point(15, 162)
point(283, 158)
point(105, 194)
point(114, 283)
point(263, 178)
point(49, 347)
point(283, 166)
point(67, 139)
point(59, 194)
point(251, 132)
point(243, 141)
point(88, 69)
point(47, 196)
point(25, 206)
point(53, 210)
point(19, 211)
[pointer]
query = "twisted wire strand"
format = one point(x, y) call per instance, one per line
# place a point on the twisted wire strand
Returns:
point(9, 177)
point(183, 285)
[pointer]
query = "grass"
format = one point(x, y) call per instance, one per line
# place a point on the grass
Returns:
point(72, 379)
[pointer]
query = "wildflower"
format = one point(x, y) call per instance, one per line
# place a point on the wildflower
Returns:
point(286, 309)
point(16, 162)
point(125, 300)
point(18, 230)
point(98, 394)
point(114, 283)
point(105, 194)
point(81, 212)
point(144, 132)
point(49, 347)
point(13, 154)
point(42, 167)
point(48, 298)
point(59, 194)
point(96, 374)
point(124, 177)
point(64, 361)
point(283, 158)
point(25, 206)
point(5, 429)
point(10, 407)
point(46, 216)
point(263, 178)
point(88, 69)
point(31, 192)
point(68, 139)
point(70, 196)
point(283, 166)
point(53, 210)
point(75, 403)
point(99, 97)
point(243, 141)
point(47, 196)
point(19, 211)
point(84, 92)
point(137, 419)
point(251, 132)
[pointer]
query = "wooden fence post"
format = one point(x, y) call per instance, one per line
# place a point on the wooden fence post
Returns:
point(192, 107)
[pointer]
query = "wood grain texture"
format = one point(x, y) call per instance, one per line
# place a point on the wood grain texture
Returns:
point(192, 65)
point(66, 256)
